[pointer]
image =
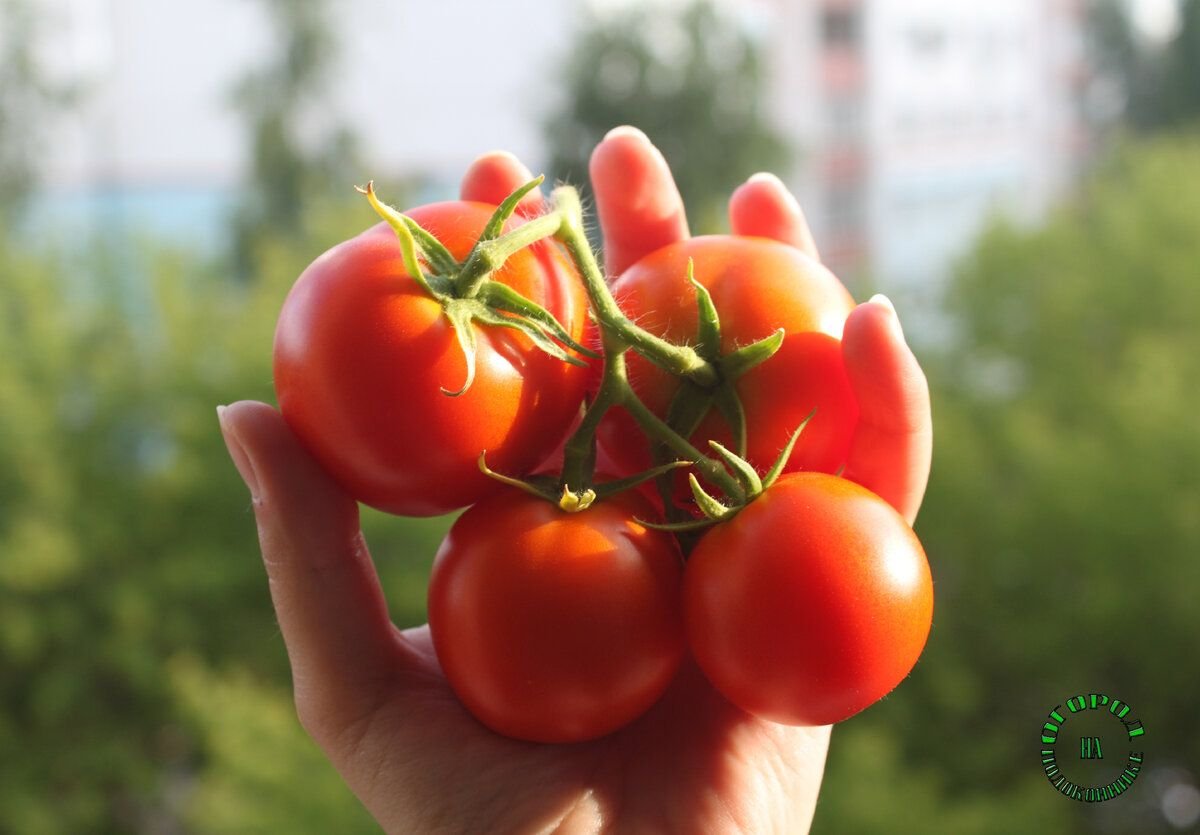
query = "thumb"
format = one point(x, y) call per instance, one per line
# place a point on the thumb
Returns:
point(342, 646)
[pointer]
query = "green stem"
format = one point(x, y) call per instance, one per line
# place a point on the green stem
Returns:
point(619, 335)
point(659, 430)
point(577, 452)
point(489, 256)
point(680, 360)
point(616, 391)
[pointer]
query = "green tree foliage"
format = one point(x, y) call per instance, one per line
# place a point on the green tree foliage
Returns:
point(1116, 55)
point(1181, 83)
point(1063, 517)
point(241, 717)
point(1160, 82)
point(691, 77)
point(871, 786)
point(281, 101)
point(143, 682)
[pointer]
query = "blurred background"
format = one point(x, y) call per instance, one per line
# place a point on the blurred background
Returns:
point(1023, 178)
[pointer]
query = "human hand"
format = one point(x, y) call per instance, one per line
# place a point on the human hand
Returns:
point(373, 696)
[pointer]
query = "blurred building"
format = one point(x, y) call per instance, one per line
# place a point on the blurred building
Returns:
point(917, 119)
point(913, 119)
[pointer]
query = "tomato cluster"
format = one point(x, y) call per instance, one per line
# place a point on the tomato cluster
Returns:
point(561, 604)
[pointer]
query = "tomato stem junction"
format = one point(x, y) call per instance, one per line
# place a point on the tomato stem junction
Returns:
point(466, 291)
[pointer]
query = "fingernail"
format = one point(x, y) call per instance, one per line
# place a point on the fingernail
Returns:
point(625, 130)
point(883, 301)
point(241, 461)
point(499, 152)
point(764, 177)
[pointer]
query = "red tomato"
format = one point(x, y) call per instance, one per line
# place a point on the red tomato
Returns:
point(757, 286)
point(553, 626)
point(362, 354)
point(811, 604)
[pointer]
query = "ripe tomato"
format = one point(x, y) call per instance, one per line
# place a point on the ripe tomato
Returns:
point(811, 604)
point(757, 286)
point(553, 626)
point(362, 355)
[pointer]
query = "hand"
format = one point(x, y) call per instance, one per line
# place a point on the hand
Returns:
point(373, 696)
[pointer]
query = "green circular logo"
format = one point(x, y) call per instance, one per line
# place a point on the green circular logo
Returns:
point(1090, 758)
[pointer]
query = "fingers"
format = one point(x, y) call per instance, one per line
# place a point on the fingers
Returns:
point(495, 175)
point(331, 610)
point(637, 201)
point(894, 442)
point(764, 207)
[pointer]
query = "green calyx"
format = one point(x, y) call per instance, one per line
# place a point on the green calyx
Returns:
point(751, 485)
point(466, 291)
point(694, 400)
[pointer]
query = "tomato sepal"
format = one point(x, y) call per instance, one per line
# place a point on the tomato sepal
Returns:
point(751, 484)
point(430, 247)
point(408, 244)
point(708, 332)
point(742, 469)
point(772, 475)
point(497, 296)
point(465, 291)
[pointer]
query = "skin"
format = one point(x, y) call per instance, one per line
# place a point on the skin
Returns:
point(373, 696)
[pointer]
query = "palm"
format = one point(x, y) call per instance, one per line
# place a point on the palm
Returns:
point(693, 763)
